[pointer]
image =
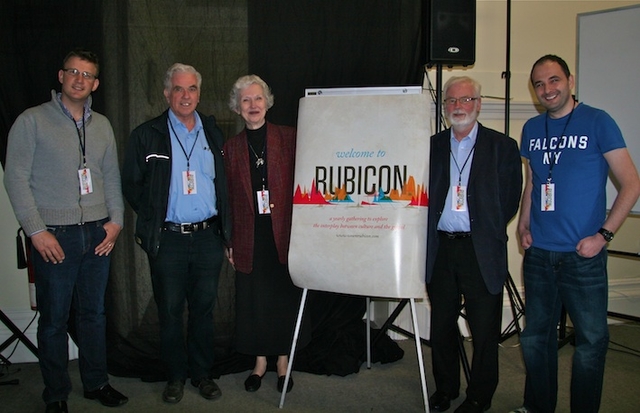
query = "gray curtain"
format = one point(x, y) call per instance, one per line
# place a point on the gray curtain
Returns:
point(141, 40)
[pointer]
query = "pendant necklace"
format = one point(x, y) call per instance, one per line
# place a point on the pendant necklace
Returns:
point(259, 159)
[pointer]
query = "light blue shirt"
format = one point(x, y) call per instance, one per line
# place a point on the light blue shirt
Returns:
point(451, 220)
point(201, 205)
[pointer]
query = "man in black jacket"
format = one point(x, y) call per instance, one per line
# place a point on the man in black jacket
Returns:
point(475, 184)
point(173, 177)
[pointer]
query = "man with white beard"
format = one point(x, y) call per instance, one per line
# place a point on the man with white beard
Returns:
point(475, 183)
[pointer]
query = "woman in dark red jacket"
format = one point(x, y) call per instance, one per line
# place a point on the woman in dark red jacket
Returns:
point(259, 162)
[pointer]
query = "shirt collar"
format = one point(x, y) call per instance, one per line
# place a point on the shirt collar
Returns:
point(87, 109)
point(472, 136)
point(179, 125)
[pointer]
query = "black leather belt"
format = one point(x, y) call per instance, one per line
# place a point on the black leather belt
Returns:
point(455, 235)
point(190, 227)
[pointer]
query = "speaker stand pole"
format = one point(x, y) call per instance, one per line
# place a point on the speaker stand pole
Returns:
point(507, 72)
point(438, 97)
point(517, 310)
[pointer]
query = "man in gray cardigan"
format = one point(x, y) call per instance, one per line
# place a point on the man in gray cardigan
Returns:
point(63, 181)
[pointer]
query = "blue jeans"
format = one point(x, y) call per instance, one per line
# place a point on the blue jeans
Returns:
point(551, 280)
point(79, 281)
point(187, 269)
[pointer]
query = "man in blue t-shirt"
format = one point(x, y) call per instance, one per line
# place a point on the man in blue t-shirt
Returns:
point(564, 229)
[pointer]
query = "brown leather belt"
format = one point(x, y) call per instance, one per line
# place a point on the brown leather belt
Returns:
point(189, 227)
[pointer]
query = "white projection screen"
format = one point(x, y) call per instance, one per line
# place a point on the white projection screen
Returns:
point(607, 73)
point(360, 202)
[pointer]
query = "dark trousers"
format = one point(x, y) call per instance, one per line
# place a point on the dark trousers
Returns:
point(456, 274)
point(186, 270)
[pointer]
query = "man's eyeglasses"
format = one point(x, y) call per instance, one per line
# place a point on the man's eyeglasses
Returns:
point(76, 72)
point(463, 101)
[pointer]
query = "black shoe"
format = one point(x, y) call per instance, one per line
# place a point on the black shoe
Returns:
point(472, 406)
point(173, 391)
point(252, 383)
point(281, 380)
point(57, 407)
point(441, 401)
point(208, 388)
point(107, 395)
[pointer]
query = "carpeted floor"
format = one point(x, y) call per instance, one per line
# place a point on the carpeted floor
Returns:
point(393, 387)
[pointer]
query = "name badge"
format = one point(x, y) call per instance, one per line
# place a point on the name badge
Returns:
point(459, 198)
point(263, 202)
point(548, 197)
point(86, 185)
point(189, 184)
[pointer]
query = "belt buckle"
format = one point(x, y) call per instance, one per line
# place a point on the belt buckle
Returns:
point(186, 228)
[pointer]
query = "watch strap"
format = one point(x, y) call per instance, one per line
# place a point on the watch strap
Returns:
point(606, 234)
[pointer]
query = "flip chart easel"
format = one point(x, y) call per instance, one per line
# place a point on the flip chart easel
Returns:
point(359, 223)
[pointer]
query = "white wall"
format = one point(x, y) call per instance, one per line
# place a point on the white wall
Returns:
point(14, 292)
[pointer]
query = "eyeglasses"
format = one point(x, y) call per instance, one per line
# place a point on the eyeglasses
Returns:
point(463, 100)
point(76, 72)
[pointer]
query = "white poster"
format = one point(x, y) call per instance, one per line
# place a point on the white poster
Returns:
point(360, 201)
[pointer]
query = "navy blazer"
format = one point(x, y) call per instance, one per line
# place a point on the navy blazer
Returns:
point(493, 197)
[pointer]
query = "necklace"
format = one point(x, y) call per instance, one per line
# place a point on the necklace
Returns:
point(259, 159)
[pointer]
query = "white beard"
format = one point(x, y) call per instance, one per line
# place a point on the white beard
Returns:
point(469, 119)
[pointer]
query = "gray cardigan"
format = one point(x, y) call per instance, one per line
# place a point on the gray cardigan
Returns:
point(41, 172)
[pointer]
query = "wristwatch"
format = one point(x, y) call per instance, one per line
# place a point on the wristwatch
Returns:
point(608, 235)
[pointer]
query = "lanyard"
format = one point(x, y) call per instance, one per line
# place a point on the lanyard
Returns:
point(188, 156)
point(465, 161)
point(83, 142)
point(546, 129)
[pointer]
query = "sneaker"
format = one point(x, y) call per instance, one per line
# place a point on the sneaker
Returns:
point(521, 410)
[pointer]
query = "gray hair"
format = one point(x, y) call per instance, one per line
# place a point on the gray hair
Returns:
point(462, 79)
point(242, 83)
point(180, 68)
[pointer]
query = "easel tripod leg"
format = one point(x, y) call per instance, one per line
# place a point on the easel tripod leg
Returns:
point(423, 379)
point(296, 333)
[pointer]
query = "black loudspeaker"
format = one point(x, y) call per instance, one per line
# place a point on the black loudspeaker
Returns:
point(451, 32)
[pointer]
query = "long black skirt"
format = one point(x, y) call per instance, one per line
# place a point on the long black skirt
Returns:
point(267, 302)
